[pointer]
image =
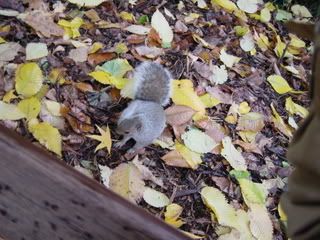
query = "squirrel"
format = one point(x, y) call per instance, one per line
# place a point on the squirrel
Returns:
point(144, 119)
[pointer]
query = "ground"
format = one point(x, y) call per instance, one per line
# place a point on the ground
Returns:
point(230, 98)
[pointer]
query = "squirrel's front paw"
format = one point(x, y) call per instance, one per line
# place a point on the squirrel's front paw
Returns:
point(119, 144)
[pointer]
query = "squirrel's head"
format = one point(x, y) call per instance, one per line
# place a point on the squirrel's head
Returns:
point(129, 126)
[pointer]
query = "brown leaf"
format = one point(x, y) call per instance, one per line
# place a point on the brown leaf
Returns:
point(178, 115)
point(84, 87)
point(42, 22)
point(149, 52)
point(203, 69)
point(213, 129)
point(136, 39)
point(251, 121)
point(248, 147)
point(97, 58)
point(180, 27)
point(79, 122)
point(219, 94)
point(174, 158)
point(154, 38)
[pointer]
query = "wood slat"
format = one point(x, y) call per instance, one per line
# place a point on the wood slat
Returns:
point(41, 198)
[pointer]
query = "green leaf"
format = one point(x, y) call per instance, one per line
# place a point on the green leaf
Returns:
point(116, 67)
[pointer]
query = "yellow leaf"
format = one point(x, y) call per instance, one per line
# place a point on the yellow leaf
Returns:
point(279, 84)
point(154, 198)
point(9, 96)
point(172, 214)
point(282, 214)
point(198, 141)
point(244, 108)
point(116, 67)
point(28, 79)
point(127, 16)
point(106, 78)
point(192, 158)
point(104, 139)
point(57, 75)
point(47, 135)
point(279, 123)
point(71, 28)
point(184, 94)
point(2, 40)
point(241, 30)
point(294, 108)
point(30, 107)
point(216, 201)
point(262, 41)
point(296, 42)
point(279, 49)
point(126, 180)
point(87, 3)
point(10, 112)
point(226, 4)
point(270, 6)
point(232, 155)
point(209, 101)
point(301, 11)
point(95, 47)
point(121, 48)
point(265, 15)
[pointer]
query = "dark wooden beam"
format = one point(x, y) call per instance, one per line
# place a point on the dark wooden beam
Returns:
point(41, 198)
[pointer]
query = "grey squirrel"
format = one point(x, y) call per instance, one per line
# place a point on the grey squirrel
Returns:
point(144, 119)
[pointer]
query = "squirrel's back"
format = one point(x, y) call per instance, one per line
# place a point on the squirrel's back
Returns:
point(152, 83)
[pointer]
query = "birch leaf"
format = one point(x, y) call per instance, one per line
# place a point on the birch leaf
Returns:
point(232, 155)
point(279, 84)
point(198, 141)
point(279, 123)
point(172, 214)
point(294, 108)
point(36, 51)
point(228, 59)
point(161, 25)
point(30, 107)
point(260, 222)
point(155, 198)
point(226, 4)
point(10, 112)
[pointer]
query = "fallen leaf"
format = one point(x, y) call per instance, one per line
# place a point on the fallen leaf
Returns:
point(279, 84)
point(105, 173)
point(184, 94)
point(138, 29)
point(219, 75)
point(42, 22)
point(160, 24)
point(28, 79)
point(283, 15)
point(178, 115)
point(79, 54)
point(36, 51)
point(247, 42)
point(116, 67)
point(248, 6)
point(149, 52)
point(265, 15)
point(9, 96)
point(8, 51)
point(47, 135)
point(198, 141)
point(244, 108)
point(279, 123)
point(10, 112)
point(301, 11)
point(127, 16)
point(209, 101)
point(294, 108)
point(104, 138)
point(146, 172)
point(172, 214)
point(126, 180)
point(154, 198)
point(30, 107)
point(226, 4)
point(192, 158)
point(251, 121)
point(260, 222)
point(87, 3)
point(232, 155)
point(228, 59)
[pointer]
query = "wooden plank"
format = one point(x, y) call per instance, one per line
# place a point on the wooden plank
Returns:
point(41, 198)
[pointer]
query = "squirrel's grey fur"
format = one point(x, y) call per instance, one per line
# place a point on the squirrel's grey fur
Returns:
point(144, 118)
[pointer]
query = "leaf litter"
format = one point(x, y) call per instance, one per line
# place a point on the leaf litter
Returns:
point(239, 92)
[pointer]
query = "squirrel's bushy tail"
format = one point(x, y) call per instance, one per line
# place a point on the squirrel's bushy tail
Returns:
point(152, 83)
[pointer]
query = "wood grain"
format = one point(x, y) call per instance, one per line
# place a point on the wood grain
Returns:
point(41, 198)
